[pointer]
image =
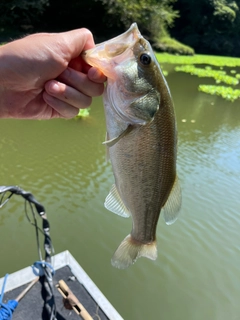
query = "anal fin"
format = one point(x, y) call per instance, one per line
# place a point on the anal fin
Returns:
point(115, 204)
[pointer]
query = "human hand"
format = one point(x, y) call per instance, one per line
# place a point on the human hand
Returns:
point(42, 76)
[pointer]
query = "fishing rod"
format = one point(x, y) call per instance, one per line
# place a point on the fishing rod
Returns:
point(44, 267)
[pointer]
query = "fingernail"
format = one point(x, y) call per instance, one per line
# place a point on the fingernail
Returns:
point(53, 87)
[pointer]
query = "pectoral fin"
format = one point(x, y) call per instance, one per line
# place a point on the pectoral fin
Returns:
point(107, 149)
point(172, 206)
point(114, 203)
point(113, 141)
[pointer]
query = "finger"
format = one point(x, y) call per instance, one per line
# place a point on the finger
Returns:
point(76, 64)
point(67, 94)
point(77, 41)
point(60, 108)
point(79, 64)
point(82, 83)
point(96, 75)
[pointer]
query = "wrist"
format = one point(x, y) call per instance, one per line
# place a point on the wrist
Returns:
point(6, 86)
point(2, 85)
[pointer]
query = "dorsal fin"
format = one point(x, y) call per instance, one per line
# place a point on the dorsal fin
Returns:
point(173, 204)
point(114, 203)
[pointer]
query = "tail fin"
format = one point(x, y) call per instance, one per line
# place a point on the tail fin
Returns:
point(130, 250)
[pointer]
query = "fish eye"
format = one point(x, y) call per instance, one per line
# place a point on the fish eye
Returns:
point(145, 59)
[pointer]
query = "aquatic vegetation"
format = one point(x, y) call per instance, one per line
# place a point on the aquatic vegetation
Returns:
point(198, 59)
point(83, 113)
point(227, 93)
point(165, 73)
point(218, 75)
point(187, 64)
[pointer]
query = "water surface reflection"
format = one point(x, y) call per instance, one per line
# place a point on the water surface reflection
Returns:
point(196, 275)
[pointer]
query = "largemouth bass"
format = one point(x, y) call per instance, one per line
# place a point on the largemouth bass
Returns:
point(141, 141)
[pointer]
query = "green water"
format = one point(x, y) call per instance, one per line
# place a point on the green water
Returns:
point(62, 162)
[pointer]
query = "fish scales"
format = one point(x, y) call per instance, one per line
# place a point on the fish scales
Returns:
point(152, 158)
point(141, 141)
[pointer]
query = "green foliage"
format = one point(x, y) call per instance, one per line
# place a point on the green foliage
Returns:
point(152, 16)
point(209, 26)
point(154, 19)
point(83, 113)
point(175, 26)
point(218, 75)
point(21, 12)
point(165, 73)
point(223, 12)
point(170, 45)
point(227, 93)
point(19, 17)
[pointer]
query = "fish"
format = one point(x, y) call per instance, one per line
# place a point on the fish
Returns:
point(141, 141)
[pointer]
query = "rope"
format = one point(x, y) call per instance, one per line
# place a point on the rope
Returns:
point(6, 309)
point(3, 288)
point(39, 268)
point(45, 268)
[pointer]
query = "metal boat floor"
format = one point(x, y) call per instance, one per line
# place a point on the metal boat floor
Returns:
point(67, 269)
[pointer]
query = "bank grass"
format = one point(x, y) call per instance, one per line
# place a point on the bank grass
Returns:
point(208, 67)
point(172, 46)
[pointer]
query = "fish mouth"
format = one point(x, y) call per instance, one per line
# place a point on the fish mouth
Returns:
point(103, 53)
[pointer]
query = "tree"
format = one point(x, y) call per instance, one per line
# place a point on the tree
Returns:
point(207, 25)
point(153, 17)
point(21, 12)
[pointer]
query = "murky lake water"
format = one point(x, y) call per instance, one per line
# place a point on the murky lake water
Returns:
point(62, 162)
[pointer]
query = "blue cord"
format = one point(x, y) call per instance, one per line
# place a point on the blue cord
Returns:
point(38, 268)
point(6, 309)
point(3, 288)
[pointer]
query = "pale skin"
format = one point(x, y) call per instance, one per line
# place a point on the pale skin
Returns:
point(42, 76)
